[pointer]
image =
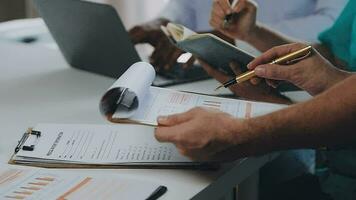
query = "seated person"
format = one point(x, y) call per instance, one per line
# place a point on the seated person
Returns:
point(263, 37)
point(195, 14)
point(326, 120)
point(311, 15)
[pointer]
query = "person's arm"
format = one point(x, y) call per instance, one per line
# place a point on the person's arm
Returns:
point(205, 134)
point(244, 26)
point(257, 38)
point(326, 120)
point(165, 54)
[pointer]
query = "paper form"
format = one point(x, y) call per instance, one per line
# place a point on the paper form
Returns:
point(147, 102)
point(34, 184)
point(160, 102)
point(100, 144)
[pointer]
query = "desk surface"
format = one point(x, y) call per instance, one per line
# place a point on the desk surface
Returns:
point(37, 86)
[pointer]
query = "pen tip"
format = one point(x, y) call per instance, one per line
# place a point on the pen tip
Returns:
point(216, 89)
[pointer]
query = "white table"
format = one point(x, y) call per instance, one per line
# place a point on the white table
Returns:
point(38, 86)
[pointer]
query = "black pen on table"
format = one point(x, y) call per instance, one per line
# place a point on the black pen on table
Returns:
point(230, 17)
point(157, 193)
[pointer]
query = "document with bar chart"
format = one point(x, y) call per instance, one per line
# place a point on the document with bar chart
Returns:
point(129, 100)
point(40, 184)
point(160, 102)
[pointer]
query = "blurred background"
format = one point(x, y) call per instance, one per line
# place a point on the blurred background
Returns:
point(131, 11)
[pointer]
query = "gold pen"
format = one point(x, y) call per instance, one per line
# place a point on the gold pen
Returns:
point(291, 57)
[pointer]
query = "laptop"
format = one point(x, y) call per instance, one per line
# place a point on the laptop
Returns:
point(92, 37)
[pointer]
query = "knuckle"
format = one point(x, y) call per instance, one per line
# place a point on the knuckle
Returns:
point(295, 73)
point(274, 49)
point(271, 73)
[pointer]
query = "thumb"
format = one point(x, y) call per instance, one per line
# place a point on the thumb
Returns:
point(172, 120)
point(245, 4)
point(274, 72)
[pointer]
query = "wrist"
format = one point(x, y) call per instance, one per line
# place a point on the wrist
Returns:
point(258, 136)
point(336, 76)
point(253, 35)
point(243, 131)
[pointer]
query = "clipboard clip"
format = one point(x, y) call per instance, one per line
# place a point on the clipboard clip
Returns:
point(24, 138)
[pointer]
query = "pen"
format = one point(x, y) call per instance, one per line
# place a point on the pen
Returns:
point(157, 193)
point(291, 57)
point(229, 18)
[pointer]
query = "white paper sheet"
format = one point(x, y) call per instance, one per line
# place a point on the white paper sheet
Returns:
point(161, 102)
point(137, 79)
point(154, 101)
point(179, 32)
point(100, 144)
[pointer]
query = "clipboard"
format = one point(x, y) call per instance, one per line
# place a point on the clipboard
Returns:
point(34, 134)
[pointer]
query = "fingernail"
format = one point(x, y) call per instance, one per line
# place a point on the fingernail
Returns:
point(162, 119)
point(249, 65)
point(260, 71)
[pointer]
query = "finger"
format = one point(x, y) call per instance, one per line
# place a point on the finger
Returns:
point(241, 4)
point(137, 35)
point(249, 5)
point(173, 59)
point(225, 6)
point(274, 72)
point(189, 63)
point(274, 53)
point(166, 134)
point(175, 119)
point(255, 81)
point(156, 56)
point(217, 24)
point(167, 58)
point(218, 75)
point(218, 12)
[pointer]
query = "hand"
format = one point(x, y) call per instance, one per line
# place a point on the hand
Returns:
point(165, 54)
point(202, 134)
point(258, 91)
point(243, 24)
point(314, 74)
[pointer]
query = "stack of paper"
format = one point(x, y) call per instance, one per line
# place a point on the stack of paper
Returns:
point(65, 145)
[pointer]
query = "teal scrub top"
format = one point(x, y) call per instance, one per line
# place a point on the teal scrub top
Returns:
point(341, 37)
